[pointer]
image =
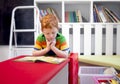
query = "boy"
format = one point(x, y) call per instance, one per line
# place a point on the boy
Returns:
point(50, 42)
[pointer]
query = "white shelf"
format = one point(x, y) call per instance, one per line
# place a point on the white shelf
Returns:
point(85, 7)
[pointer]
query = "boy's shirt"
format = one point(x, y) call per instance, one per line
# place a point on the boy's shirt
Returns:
point(61, 43)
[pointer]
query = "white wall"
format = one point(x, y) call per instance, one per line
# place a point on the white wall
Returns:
point(4, 50)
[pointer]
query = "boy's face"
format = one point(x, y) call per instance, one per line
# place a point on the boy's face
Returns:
point(50, 34)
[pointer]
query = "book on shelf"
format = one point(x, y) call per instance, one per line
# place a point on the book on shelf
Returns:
point(48, 59)
point(101, 13)
point(106, 16)
point(109, 16)
point(69, 16)
point(112, 15)
point(73, 16)
point(97, 13)
point(66, 16)
point(95, 17)
point(48, 11)
point(78, 14)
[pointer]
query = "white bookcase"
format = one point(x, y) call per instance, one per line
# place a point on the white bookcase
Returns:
point(87, 37)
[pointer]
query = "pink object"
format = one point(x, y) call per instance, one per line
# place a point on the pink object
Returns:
point(100, 79)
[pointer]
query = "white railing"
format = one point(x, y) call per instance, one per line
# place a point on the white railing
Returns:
point(93, 39)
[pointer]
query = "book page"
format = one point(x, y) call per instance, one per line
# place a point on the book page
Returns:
point(49, 59)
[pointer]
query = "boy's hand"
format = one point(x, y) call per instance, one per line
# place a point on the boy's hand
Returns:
point(48, 44)
point(53, 43)
point(52, 46)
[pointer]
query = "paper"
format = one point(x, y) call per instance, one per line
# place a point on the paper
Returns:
point(49, 59)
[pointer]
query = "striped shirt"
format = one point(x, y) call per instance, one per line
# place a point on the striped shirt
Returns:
point(61, 43)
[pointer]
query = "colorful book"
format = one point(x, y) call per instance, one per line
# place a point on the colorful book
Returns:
point(98, 16)
point(79, 16)
point(66, 16)
point(95, 15)
point(108, 12)
point(100, 11)
point(75, 17)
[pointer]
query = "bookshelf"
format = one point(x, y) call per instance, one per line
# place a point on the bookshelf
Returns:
point(84, 6)
point(60, 7)
point(96, 38)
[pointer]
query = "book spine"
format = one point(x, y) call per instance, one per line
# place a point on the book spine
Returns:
point(98, 16)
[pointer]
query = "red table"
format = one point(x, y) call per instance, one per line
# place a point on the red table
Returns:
point(12, 72)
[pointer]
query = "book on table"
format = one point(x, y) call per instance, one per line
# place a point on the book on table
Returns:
point(49, 59)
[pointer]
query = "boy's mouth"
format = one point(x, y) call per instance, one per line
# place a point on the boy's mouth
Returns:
point(50, 40)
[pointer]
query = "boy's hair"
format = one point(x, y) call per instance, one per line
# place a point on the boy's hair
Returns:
point(49, 21)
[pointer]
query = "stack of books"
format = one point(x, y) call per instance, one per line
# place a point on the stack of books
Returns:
point(103, 14)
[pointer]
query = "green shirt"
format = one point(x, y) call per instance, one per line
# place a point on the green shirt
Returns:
point(61, 43)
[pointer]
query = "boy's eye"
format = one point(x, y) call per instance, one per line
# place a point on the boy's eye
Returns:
point(53, 32)
point(47, 33)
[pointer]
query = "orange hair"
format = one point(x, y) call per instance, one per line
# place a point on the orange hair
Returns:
point(49, 21)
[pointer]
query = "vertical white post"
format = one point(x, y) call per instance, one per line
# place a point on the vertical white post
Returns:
point(118, 40)
point(98, 39)
point(87, 39)
point(76, 38)
point(109, 39)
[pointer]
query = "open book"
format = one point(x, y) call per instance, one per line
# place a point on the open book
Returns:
point(54, 60)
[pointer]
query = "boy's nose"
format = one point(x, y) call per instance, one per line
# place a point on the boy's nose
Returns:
point(51, 35)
